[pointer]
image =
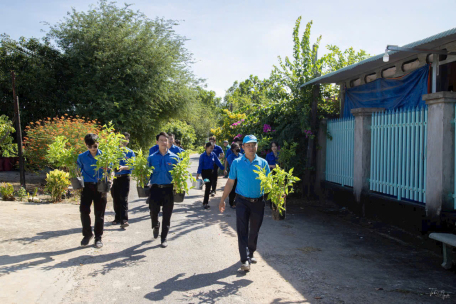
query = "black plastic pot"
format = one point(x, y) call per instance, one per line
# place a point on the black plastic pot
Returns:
point(179, 197)
point(77, 182)
point(103, 186)
point(143, 192)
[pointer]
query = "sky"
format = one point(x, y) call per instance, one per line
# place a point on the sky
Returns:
point(233, 39)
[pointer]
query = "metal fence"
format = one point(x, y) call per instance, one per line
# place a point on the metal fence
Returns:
point(340, 151)
point(398, 153)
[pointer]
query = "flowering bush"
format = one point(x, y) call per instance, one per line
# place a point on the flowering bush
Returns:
point(230, 126)
point(42, 133)
point(7, 148)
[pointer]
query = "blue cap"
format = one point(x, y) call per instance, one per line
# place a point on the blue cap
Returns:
point(249, 139)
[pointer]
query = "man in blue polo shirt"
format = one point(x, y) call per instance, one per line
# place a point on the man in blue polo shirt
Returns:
point(218, 151)
point(161, 189)
point(249, 199)
point(86, 162)
point(121, 187)
point(171, 146)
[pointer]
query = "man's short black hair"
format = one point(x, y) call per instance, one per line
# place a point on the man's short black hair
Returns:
point(178, 141)
point(208, 144)
point(127, 135)
point(162, 134)
point(172, 135)
point(91, 139)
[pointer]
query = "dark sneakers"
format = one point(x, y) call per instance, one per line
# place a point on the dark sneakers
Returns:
point(98, 243)
point(156, 231)
point(206, 206)
point(164, 243)
point(85, 241)
point(124, 225)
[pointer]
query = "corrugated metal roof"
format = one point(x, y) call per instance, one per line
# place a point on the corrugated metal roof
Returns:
point(371, 63)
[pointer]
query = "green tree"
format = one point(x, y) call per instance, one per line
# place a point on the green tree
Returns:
point(124, 67)
point(183, 131)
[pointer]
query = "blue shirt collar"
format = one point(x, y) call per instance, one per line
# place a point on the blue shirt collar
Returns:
point(244, 158)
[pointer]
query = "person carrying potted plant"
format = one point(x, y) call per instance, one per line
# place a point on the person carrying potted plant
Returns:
point(161, 189)
point(121, 185)
point(207, 161)
point(236, 153)
point(249, 199)
point(171, 146)
point(87, 164)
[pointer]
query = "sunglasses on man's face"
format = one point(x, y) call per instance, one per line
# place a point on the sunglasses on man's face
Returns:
point(92, 146)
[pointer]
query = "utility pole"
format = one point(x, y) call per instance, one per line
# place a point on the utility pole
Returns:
point(18, 131)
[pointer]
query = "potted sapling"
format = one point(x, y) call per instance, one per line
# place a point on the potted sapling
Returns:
point(141, 172)
point(65, 159)
point(277, 185)
point(112, 152)
point(180, 175)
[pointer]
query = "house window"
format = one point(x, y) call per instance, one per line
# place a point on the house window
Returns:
point(410, 65)
point(355, 82)
point(389, 72)
point(370, 77)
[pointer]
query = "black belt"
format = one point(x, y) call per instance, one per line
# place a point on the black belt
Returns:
point(90, 183)
point(162, 186)
point(252, 200)
point(122, 175)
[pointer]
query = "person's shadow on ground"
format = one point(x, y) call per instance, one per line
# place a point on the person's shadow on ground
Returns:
point(198, 281)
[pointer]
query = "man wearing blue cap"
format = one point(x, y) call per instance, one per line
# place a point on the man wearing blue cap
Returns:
point(249, 199)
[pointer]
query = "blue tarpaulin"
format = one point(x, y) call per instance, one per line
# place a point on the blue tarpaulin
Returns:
point(406, 91)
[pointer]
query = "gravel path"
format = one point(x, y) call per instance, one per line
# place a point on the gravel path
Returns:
point(309, 258)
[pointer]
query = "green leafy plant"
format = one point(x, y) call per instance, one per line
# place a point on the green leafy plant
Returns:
point(109, 143)
point(62, 157)
point(200, 150)
point(181, 174)
point(57, 182)
point(7, 191)
point(21, 193)
point(7, 148)
point(278, 184)
point(141, 171)
point(287, 153)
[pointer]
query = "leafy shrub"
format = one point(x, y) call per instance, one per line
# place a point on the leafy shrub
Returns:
point(276, 184)
point(21, 193)
point(109, 143)
point(42, 133)
point(287, 154)
point(62, 157)
point(183, 131)
point(57, 182)
point(7, 148)
point(7, 191)
point(180, 173)
point(141, 171)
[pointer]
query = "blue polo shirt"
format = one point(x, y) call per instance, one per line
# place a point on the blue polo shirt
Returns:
point(128, 154)
point(87, 163)
point(217, 150)
point(272, 160)
point(153, 149)
point(247, 183)
point(175, 149)
point(232, 157)
point(162, 164)
point(206, 162)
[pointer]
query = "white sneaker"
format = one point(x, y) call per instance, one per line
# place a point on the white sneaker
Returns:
point(245, 266)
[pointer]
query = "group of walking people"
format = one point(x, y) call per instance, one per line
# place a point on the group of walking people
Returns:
point(242, 188)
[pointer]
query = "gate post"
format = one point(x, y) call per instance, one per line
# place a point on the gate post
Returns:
point(321, 156)
point(440, 148)
point(362, 152)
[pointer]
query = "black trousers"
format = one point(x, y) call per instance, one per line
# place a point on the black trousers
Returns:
point(208, 173)
point(214, 178)
point(89, 195)
point(161, 198)
point(249, 217)
point(232, 195)
point(119, 191)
